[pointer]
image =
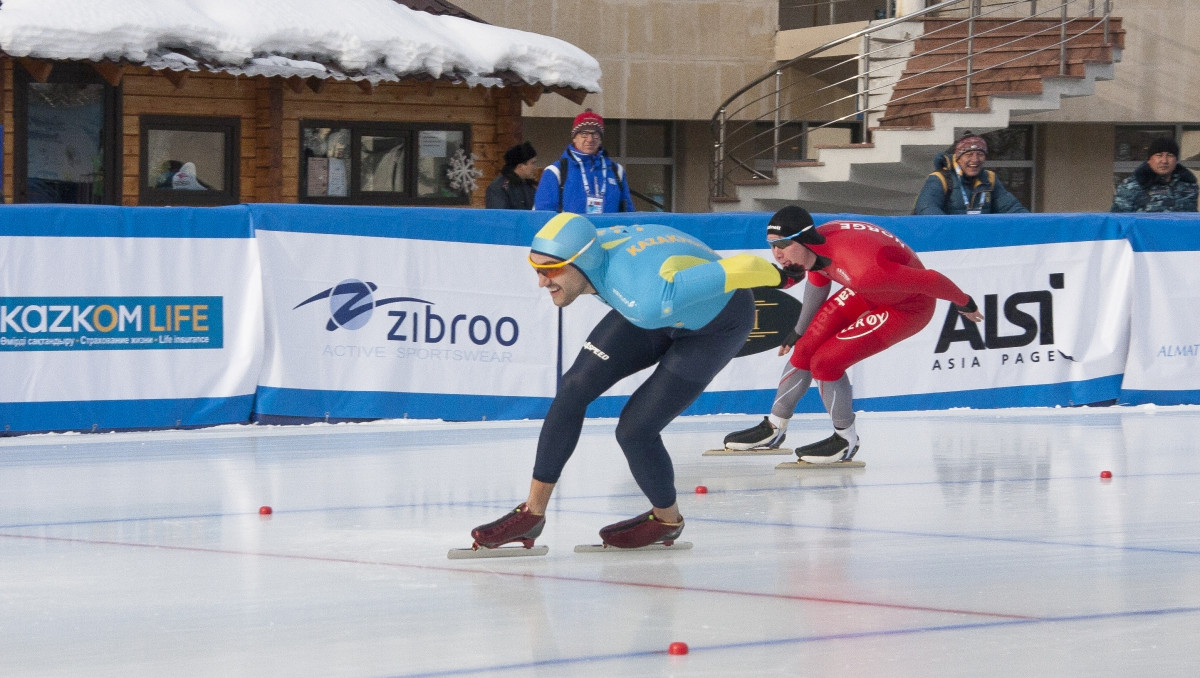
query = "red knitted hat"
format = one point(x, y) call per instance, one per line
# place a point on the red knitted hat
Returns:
point(587, 120)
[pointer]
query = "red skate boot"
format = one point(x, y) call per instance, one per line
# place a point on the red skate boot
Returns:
point(517, 525)
point(644, 530)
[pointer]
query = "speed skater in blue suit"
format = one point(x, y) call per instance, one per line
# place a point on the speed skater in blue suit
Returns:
point(676, 304)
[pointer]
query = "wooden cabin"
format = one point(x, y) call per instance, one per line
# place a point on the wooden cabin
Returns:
point(123, 133)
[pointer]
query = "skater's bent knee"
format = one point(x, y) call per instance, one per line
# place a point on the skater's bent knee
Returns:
point(827, 373)
point(634, 434)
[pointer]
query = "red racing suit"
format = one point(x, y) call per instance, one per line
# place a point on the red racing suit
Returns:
point(887, 296)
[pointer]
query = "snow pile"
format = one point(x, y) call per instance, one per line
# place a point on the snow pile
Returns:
point(363, 39)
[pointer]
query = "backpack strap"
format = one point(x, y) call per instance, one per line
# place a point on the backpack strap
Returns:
point(621, 185)
point(562, 179)
point(941, 175)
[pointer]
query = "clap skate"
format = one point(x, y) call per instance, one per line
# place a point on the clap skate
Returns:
point(642, 533)
point(833, 452)
point(763, 438)
point(518, 525)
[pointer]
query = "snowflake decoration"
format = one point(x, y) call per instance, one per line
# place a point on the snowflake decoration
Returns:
point(462, 173)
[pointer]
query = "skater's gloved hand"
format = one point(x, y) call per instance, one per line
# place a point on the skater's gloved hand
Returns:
point(788, 342)
point(969, 310)
point(790, 276)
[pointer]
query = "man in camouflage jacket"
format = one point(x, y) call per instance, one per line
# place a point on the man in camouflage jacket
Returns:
point(1160, 184)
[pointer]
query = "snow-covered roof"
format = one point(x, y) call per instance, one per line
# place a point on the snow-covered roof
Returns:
point(373, 40)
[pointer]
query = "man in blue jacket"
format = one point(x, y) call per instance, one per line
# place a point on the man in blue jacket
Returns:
point(675, 304)
point(960, 185)
point(584, 180)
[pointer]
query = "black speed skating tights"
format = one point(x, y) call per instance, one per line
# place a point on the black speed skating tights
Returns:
point(687, 361)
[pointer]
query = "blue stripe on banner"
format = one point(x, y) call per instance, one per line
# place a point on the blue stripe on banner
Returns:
point(106, 415)
point(1172, 232)
point(723, 231)
point(491, 227)
point(757, 402)
point(1103, 390)
point(318, 404)
point(747, 230)
point(111, 221)
point(1098, 391)
point(1137, 397)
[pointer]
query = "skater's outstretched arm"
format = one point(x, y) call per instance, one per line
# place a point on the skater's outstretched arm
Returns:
point(814, 296)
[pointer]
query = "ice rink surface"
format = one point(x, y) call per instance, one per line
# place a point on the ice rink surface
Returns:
point(974, 543)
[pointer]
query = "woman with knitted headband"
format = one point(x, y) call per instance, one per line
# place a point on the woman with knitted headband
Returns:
point(960, 185)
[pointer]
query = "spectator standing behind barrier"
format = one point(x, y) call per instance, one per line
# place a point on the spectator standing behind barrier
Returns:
point(584, 180)
point(1160, 184)
point(514, 188)
point(960, 185)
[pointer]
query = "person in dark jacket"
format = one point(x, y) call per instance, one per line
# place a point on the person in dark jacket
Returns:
point(960, 185)
point(1160, 184)
point(517, 183)
point(584, 180)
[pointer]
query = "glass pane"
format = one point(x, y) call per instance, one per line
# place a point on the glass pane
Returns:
point(1013, 143)
point(325, 162)
point(653, 182)
point(1189, 145)
point(185, 160)
point(647, 139)
point(807, 13)
point(1133, 142)
point(65, 134)
point(381, 163)
point(442, 160)
point(1018, 181)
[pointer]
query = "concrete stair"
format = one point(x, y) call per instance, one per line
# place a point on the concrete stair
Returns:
point(927, 109)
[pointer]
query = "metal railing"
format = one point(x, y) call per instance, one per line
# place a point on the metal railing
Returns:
point(753, 126)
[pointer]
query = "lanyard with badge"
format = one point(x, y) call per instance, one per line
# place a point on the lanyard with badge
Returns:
point(593, 193)
point(967, 197)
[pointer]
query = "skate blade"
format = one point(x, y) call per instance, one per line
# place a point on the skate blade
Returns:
point(808, 464)
point(498, 552)
point(724, 452)
point(603, 548)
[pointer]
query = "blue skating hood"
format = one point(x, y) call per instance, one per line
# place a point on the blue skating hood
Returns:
point(568, 235)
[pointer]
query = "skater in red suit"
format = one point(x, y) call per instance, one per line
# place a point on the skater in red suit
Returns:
point(887, 295)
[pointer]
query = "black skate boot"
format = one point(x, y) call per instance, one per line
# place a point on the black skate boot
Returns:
point(762, 436)
point(643, 530)
point(517, 525)
point(833, 449)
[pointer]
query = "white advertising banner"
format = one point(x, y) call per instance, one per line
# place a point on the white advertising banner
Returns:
point(364, 314)
point(1164, 351)
point(1053, 313)
point(1041, 327)
point(105, 332)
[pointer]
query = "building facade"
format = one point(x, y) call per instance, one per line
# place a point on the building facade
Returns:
point(668, 64)
point(173, 121)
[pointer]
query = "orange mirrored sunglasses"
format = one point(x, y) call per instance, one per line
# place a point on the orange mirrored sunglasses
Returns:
point(556, 268)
